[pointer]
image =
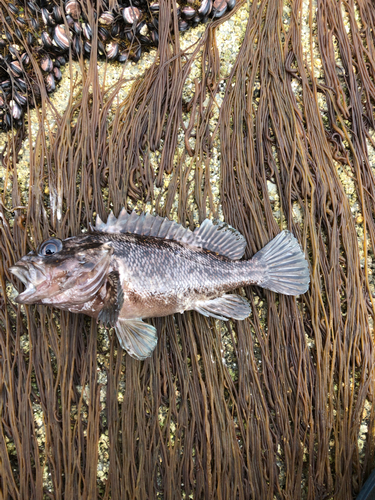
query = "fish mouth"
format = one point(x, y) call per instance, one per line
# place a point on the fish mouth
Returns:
point(22, 272)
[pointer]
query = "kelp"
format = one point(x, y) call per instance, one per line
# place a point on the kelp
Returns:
point(277, 406)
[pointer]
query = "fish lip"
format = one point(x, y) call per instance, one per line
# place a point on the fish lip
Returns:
point(21, 271)
point(27, 296)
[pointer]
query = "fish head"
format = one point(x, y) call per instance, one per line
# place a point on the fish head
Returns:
point(64, 272)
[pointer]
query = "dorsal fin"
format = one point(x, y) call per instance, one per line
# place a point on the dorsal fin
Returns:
point(219, 237)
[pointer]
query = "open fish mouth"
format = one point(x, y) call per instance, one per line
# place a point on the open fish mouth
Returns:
point(22, 272)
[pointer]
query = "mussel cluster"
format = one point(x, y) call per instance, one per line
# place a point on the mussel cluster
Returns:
point(44, 32)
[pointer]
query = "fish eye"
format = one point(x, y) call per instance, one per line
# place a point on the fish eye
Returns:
point(49, 247)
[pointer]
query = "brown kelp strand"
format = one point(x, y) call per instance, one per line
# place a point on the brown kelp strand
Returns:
point(280, 405)
point(50, 32)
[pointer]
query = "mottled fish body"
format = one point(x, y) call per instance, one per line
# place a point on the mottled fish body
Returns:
point(144, 266)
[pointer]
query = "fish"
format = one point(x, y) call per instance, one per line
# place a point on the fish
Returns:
point(140, 266)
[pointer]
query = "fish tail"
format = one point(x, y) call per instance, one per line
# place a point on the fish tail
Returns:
point(281, 266)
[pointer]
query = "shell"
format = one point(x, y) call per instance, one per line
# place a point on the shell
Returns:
point(219, 8)
point(87, 47)
point(131, 15)
point(73, 8)
point(13, 8)
point(15, 68)
point(25, 59)
point(46, 40)
point(70, 21)
point(57, 74)
point(61, 60)
point(188, 13)
point(47, 18)
point(103, 34)
point(21, 21)
point(20, 99)
point(20, 84)
point(77, 45)
point(57, 14)
point(112, 50)
point(87, 31)
point(62, 37)
point(50, 83)
point(183, 25)
point(154, 7)
point(12, 49)
point(35, 24)
point(115, 30)
point(106, 18)
point(124, 56)
point(205, 8)
point(5, 84)
point(15, 110)
point(46, 64)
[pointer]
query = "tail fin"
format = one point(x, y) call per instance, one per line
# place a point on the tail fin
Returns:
point(282, 266)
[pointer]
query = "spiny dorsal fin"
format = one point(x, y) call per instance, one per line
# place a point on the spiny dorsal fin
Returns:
point(218, 237)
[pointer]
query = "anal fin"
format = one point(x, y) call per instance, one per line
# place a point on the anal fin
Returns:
point(224, 307)
point(113, 301)
point(139, 339)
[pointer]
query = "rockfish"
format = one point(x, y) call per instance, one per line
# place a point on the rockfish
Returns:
point(144, 266)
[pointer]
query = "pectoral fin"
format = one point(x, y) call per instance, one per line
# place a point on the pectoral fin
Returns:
point(139, 339)
point(224, 307)
point(113, 301)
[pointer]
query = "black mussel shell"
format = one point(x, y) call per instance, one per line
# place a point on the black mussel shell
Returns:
point(15, 68)
point(5, 84)
point(73, 8)
point(61, 60)
point(131, 15)
point(123, 56)
point(87, 31)
point(107, 18)
point(112, 50)
point(57, 14)
point(183, 25)
point(32, 8)
point(20, 84)
point(77, 45)
point(46, 40)
point(188, 13)
point(47, 18)
point(154, 7)
point(50, 83)
point(57, 73)
point(87, 47)
point(136, 54)
point(13, 8)
point(15, 109)
point(20, 99)
point(205, 8)
point(62, 37)
point(21, 21)
point(219, 8)
point(25, 59)
point(46, 64)
point(35, 24)
point(103, 34)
